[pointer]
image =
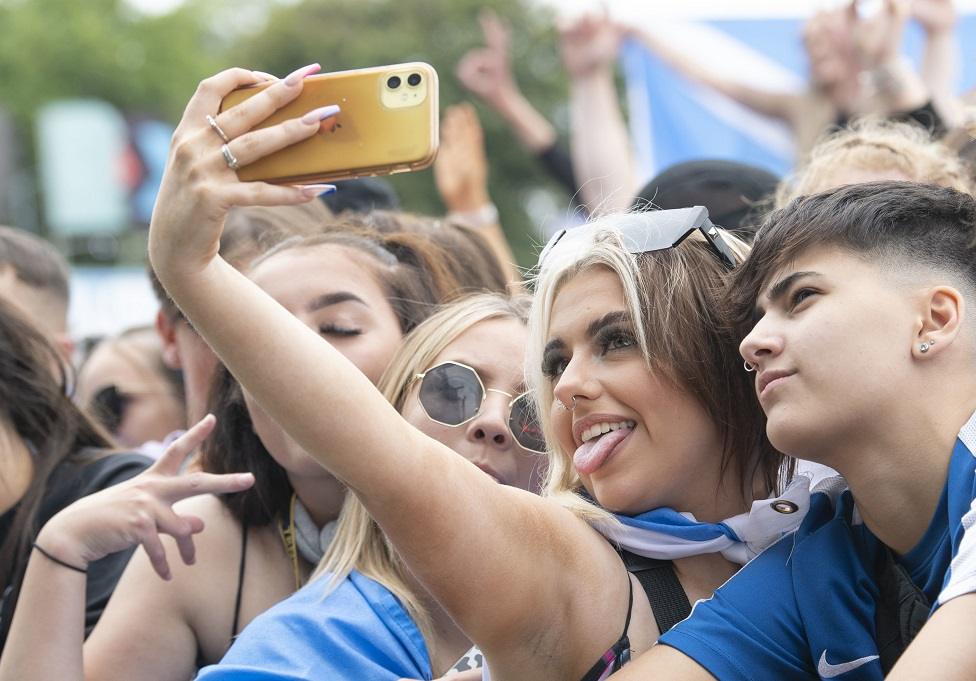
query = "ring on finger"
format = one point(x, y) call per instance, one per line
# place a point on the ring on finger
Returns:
point(212, 122)
point(229, 157)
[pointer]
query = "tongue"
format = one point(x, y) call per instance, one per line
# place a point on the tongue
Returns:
point(593, 453)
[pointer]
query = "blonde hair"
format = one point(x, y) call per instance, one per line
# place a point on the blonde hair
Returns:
point(359, 543)
point(674, 298)
point(876, 144)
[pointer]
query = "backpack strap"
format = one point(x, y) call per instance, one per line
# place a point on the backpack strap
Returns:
point(901, 610)
point(668, 599)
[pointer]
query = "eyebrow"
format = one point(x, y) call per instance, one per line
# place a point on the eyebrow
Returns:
point(779, 289)
point(592, 329)
point(329, 299)
point(608, 319)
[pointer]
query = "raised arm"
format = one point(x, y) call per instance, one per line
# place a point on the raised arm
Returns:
point(603, 160)
point(766, 102)
point(47, 631)
point(429, 500)
point(940, 61)
point(487, 73)
point(878, 39)
point(461, 175)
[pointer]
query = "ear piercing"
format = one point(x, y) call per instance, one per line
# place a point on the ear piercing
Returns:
point(749, 367)
point(924, 347)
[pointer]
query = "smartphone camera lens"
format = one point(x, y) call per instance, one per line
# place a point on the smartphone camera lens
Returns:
point(413, 79)
point(393, 82)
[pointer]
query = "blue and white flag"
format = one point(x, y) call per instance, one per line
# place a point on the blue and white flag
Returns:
point(674, 120)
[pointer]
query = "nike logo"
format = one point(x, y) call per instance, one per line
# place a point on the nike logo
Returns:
point(829, 671)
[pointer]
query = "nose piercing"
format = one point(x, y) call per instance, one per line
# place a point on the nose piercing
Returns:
point(752, 367)
point(564, 407)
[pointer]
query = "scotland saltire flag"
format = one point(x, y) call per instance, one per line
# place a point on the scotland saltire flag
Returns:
point(674, 120)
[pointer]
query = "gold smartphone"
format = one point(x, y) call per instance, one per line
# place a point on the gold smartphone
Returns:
point(387, 124)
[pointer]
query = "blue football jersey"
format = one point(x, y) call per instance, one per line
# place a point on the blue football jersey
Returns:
point(805, 607)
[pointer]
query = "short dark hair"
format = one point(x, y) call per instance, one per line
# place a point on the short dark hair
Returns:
point(36, 261)
point(926, 224)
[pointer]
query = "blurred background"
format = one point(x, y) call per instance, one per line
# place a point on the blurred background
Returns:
point(91, 91)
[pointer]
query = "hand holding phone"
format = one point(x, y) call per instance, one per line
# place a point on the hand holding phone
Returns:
point(388, 123)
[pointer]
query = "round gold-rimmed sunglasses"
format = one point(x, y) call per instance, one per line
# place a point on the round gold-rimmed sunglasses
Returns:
point(452, 394)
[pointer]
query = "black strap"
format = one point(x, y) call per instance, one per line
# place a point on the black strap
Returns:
point(619, 654)
point(668, 599)
point(901, 610)
point(240, 582)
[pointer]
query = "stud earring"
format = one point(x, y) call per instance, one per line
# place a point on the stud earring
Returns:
point(748, 367)
point(924, 347)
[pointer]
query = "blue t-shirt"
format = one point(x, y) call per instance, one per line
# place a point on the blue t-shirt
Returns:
point(359, 631)
point(805, 607)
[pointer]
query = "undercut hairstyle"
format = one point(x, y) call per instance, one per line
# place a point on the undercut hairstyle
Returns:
point(36, 262)
point(896, 224)
point(675, 300)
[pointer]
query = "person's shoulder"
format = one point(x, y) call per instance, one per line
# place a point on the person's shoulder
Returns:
point(86, 472)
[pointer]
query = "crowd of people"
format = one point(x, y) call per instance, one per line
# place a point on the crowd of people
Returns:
point(723, 429)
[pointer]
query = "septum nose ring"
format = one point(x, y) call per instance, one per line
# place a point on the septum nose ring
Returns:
point(748, 366)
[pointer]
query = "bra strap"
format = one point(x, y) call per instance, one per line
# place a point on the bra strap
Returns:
point(240, 583)
point(668, 600)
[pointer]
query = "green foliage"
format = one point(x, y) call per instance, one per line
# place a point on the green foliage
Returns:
point(147, 65)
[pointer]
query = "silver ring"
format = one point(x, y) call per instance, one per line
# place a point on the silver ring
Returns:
point(217, 129)
point(229, 157)
point(748, 367)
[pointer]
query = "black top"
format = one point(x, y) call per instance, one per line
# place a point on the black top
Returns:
point(69, 482)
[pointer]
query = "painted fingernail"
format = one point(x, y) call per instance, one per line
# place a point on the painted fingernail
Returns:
point(317, 189)
point(296, 77)
point(323, 112)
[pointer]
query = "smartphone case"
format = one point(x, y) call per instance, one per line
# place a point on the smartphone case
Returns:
point(367, 137)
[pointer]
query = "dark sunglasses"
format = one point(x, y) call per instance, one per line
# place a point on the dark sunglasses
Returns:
point(453, 393)
point(108, 405)
point(654, 230)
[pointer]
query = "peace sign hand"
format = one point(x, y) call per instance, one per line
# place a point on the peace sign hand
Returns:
point(138, 510)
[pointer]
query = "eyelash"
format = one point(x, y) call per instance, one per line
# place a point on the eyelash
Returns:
point(608, 336)
point(606, 340)
point(800, 295)
point(338, 330)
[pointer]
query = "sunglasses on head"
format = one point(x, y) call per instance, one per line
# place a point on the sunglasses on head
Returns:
point(655, 230)
point(452, 394)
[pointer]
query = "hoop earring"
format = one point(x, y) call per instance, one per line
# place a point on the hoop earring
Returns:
point(748, 367)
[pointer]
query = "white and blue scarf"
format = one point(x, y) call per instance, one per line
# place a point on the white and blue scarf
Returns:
point(666, 534)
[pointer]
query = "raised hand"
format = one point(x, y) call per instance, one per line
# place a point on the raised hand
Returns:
point(461, 169)
point(487, 71)
point(878, 37)
point(935, 16)
point(589, 43)
point(139, 510)
point(200, 184)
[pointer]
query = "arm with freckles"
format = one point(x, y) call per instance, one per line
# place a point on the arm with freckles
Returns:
point(531, 555)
